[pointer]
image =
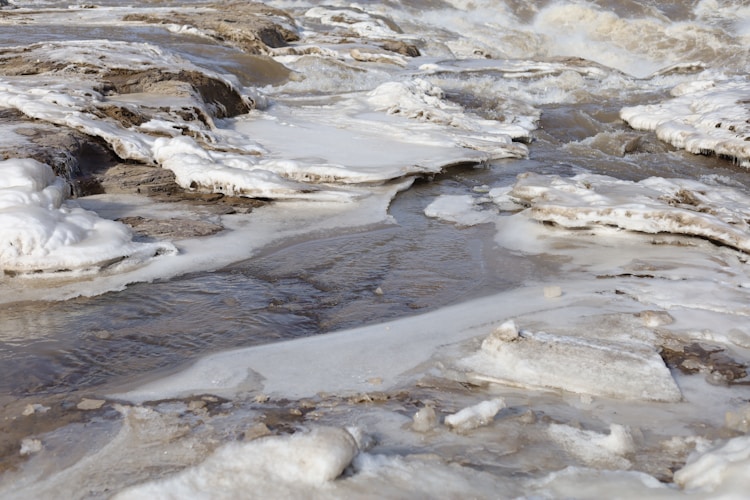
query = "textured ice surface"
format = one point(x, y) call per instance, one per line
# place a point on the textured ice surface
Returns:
point(703, 117)
point(653, 205)
point(629, 370)
point(269, 467)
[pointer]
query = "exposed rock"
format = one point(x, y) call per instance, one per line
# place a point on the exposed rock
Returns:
point(718, 367)
point(255, 28)
point(90, 404)
point(159, 184)
point(221, 98)
point(400, 47)
point(173, 228)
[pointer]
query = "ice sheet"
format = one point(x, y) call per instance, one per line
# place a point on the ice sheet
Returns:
point(336, 149)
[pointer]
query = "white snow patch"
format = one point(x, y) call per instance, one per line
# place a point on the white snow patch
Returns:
point(719, 471)
point(40, 231)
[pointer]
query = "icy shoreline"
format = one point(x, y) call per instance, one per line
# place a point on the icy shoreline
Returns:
point(351, 396)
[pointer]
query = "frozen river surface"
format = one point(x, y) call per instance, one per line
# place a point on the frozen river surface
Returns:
point(488, 249)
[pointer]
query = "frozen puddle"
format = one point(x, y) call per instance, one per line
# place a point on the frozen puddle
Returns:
point(582, 365)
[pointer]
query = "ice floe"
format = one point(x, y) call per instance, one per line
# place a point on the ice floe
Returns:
point(654, 205)
point(704, 117)
point(461, 209)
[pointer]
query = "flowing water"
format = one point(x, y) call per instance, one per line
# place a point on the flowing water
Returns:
point(568, 66)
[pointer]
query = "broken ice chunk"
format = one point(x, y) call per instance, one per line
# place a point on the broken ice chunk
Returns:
point(475, 416)
point(593, 448)
point(627, 370)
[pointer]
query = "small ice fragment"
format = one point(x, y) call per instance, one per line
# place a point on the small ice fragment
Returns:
point(738, 420)
point(507, 332)
point(30, 409)
point(90, 404)
point(424, 420)
point(593, 448)
point(475, 416)
point(29, 446)
point(653, 319)
point(551, 292)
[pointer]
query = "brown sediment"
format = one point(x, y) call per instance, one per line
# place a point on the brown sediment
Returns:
point(712, 361)
point(33, 416)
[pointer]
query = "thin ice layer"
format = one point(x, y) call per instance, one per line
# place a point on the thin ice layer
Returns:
point(628, 370)
point(654, 205)
point(704, 117)
point(39, 231)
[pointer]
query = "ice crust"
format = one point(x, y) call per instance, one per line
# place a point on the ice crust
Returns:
point(703, 117)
